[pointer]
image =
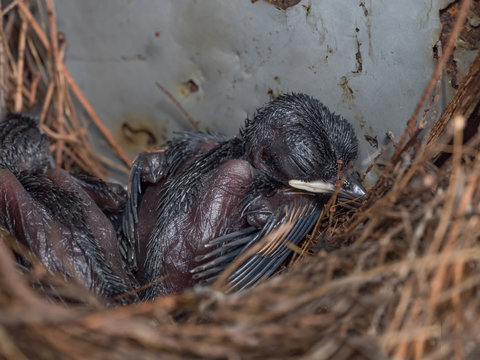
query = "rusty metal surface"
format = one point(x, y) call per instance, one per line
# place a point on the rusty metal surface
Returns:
point(281, 4)
point(468, 42)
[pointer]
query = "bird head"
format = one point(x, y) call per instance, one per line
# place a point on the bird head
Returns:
point(22, 145)
point(299, 142)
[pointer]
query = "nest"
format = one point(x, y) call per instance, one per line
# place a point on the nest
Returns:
point(402, 283)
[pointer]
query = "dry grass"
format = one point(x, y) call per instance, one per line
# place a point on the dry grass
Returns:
point(406, 286)
point(34, 78)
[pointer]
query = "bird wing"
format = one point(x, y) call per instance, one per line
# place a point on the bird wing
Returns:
point(150, 166)
point(259, 253)
point(155, 167)
point(109, 197)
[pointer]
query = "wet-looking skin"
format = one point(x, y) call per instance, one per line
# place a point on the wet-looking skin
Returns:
point(197, 205)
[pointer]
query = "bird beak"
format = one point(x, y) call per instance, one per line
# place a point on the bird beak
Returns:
point(318, 186)
point(352, 187)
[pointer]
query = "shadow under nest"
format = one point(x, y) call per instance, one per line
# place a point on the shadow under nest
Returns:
point(402, 281)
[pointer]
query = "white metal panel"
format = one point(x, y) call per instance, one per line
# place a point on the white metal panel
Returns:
point(240, 53)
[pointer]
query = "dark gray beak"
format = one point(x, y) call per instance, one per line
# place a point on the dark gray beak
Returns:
point(352, 187)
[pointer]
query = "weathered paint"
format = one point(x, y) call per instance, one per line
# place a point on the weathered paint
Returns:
point(368, 60)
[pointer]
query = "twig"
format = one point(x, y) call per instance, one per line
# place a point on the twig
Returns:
point(33, 88)
point(464, 101)
point(91, 112)
point(84, 162)
point(457, 28)
point(60, 86)
point(84, 150)
point(2, 65)
point(34, 24)
point(6, 47)
point(46, 102)
point(39, 62)
point(20, 65)
point(179, 106)
point(52, 25)
point(71, 138)
point(113, 164)
point(448, 208)
point(9, 7)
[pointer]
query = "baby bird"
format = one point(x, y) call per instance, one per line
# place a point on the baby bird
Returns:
point(205, 200)
point(60, 218)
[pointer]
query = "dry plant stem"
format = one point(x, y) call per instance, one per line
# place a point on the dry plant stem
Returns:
point(39, 62)
point(13, 282)
point(52, 25)
point(453, 240)
point(402, 308)
point(457, 28)
point(424, 263)
point(422, 156)
point(17, 287)
point(84, 151)
point(8, 348)
point(72, 114)
point(419, 343)
point(402, 347)
point(457, 290)
point(142, 287)
point(25, 92)
point(2, 65)
point(9, 25)
point(453, 237)
point(20, 66)
point(84, 162)
point(436, 103)
point(409, 335)
point(33, 88)
point(433, 116)
point(72, 138)
point(11, 60)
point(34, 24)
point(179, 106)
point(448, 210)
point(82, 158)
point(113, 164)
point(93, 115)
point(423, 120)
point(56, 86)
point(64, 344)
point(465, 100)
point(46, 103)
point(10, 7)
point(60, 87)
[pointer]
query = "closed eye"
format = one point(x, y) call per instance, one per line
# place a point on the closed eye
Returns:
point(299, 164)
point(304, 162)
